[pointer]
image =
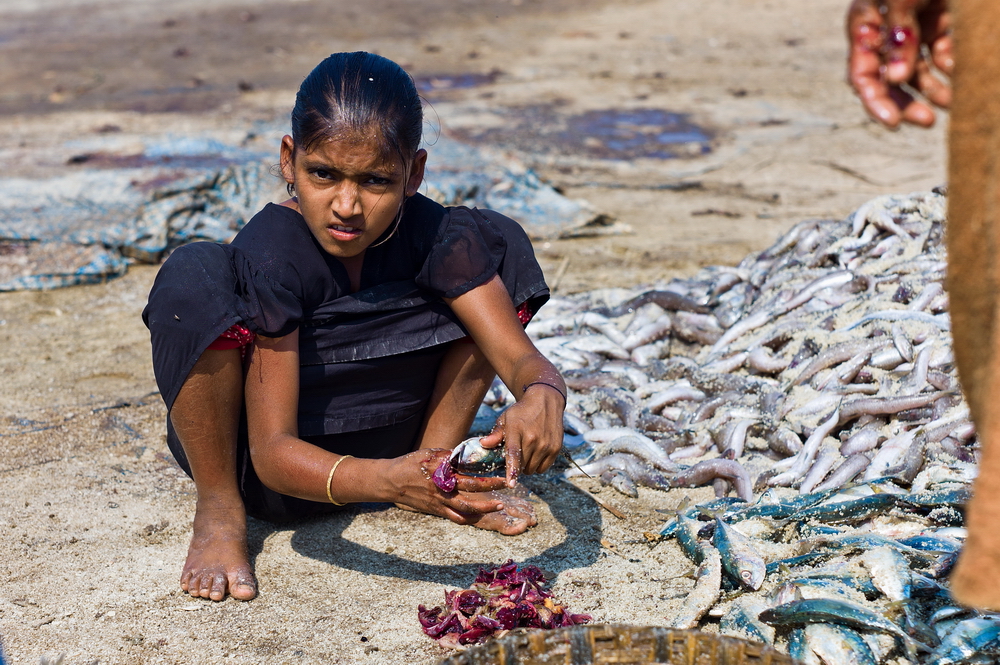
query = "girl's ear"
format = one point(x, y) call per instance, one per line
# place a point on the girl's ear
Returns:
point(287, 159)
point(416, 172)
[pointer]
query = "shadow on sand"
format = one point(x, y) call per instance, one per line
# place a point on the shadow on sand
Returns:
point(321, 539)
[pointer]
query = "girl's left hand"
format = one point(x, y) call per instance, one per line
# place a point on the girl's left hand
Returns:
point(532, 430)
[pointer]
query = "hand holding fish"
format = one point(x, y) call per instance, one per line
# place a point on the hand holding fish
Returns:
point(464, 504)
point(531, 430)
point(886, 62)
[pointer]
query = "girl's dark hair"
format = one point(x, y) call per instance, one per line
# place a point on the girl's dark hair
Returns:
point(350, 93)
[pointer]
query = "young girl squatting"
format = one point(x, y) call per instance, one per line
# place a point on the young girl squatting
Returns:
point(340, 346)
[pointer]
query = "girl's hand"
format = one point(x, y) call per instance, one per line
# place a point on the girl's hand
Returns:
point(532, 430)
point(409, 479)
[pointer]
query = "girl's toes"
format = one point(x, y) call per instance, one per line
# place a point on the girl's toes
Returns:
point(243, 589)
point(218, 591)
point(194, 585)
point(207, 582)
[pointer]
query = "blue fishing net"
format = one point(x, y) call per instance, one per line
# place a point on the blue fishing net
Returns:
point(460, 174)
point(108, 209)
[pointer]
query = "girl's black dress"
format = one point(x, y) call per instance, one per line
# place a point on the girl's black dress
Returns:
point(368, 360)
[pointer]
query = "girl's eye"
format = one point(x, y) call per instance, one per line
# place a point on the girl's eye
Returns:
point(379, 181)
point(320, 173)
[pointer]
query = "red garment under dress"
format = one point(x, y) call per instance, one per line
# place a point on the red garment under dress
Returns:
point(239, 336)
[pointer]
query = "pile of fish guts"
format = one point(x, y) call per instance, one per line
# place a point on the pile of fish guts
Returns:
point(814, 387)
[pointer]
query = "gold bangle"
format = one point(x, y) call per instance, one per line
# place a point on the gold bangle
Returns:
point(329, 479)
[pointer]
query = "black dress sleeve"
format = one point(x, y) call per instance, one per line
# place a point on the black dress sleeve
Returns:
point(467, 252)
point(201, 290)
point(277, 243)
point(473, 245)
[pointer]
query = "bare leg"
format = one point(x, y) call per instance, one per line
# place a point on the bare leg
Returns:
point(974, 279)
point(462, 381)
point(205, 416)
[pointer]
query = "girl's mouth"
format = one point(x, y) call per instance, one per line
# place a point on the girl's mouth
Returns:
point(343, 232)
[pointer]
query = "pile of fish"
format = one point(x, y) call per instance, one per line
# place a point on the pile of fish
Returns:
point(816, 382)
point(852, 575)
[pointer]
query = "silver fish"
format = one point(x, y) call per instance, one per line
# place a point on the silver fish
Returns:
point(741, 619)
point(641, 447)
point(799, 649)
point(837, 645)
point(739, 557)
point(472, 459)
point(842, 612)
point(970, 641)
point(621, 481)
point(839, 328)
point(707, 587)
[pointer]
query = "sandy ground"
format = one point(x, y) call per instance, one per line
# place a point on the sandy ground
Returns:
point(95, 515)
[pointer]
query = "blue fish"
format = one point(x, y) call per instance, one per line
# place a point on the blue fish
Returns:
point(843, 612)
point(739, 557)
point(969, 641)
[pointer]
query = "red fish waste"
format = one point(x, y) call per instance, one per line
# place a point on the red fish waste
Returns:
point(621, 645)
point(501, 599)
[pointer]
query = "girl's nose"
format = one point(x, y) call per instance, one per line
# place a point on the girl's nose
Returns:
point(347, 200)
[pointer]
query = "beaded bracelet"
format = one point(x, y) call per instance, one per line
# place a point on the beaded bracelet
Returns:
point(525, 387)
point(329, 479)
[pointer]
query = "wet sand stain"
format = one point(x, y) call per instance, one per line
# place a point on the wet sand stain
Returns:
point(623, 134)
point(184, 60)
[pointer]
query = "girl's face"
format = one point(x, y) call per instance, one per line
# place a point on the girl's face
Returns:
point(348, 194)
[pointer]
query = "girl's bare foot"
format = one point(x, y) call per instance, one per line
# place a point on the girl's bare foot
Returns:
point(217, 561)
point(517, 516)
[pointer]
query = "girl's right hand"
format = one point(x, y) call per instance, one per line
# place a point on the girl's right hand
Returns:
point(410, 484)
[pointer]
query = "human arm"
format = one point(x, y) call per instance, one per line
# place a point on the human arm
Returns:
point(532, 428)
point(885, 52)
point(288, 465)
